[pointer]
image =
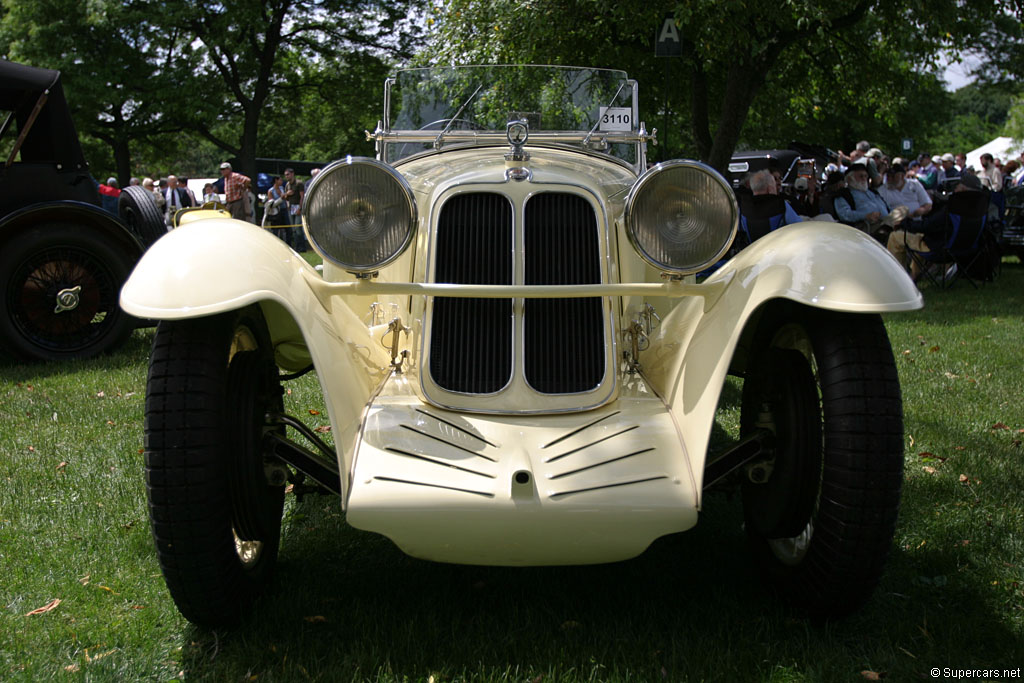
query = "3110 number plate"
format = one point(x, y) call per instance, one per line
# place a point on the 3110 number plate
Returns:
point(616, 118)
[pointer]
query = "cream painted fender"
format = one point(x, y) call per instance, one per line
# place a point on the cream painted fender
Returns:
point(221, 264)
point(825, 265)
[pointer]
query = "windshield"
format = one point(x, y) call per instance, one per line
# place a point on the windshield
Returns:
point(437, 107)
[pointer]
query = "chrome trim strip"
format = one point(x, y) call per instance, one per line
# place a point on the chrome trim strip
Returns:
point(447, 443)
point(635, 169)
point(585, 446)
point(393, 480)
point(579, 429)
point(442, 463)
point(671, 289)
point(599, 464)
point(608, 486)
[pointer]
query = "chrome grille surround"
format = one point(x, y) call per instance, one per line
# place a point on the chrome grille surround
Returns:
point(553, 335)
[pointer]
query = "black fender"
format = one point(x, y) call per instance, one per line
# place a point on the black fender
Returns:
point(105, 225)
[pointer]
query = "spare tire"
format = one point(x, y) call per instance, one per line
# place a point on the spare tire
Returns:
point(140, 213)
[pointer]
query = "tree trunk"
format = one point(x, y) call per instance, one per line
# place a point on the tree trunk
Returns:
point(744, 82)
point(247, 148)
point(122, 161)
point(699, 109)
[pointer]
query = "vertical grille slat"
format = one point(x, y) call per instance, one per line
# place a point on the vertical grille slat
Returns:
point(563, 341)
point(471, 339)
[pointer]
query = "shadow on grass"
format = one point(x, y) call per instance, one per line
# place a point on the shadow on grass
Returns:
point(349, 605)
point(134, 353)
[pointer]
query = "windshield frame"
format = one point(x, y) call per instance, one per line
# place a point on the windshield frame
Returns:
point(587, 140)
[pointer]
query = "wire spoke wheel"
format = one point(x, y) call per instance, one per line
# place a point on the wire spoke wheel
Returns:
point(61, 286)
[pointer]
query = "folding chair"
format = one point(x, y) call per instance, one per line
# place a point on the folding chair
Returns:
point(964, 244)
point(759, 215)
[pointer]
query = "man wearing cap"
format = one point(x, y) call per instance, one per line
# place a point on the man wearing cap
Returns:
point(235, 192)
point(929, 175)
point(858, 203)
point(899, 190)
point(949, 169)
point(873, 157)
point(929, 234)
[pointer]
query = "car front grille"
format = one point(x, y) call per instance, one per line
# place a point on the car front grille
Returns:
point(472, 340)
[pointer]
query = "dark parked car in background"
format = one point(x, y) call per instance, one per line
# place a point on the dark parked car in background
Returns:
point(63, 259)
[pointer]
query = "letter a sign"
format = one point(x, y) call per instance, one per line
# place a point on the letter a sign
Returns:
point(668, 42)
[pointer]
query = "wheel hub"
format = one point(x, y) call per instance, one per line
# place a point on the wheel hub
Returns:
point(68, 299)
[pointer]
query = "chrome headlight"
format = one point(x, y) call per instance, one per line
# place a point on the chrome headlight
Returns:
point(681, 216)
point(359, 214)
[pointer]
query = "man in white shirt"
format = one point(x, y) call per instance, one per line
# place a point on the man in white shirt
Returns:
point(175, 199)
point(899, 190)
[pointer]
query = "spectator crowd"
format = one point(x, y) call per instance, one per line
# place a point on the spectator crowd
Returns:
point(899, 201)
point(281, 207)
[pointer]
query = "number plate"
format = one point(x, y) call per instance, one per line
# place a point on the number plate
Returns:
point(616, 118)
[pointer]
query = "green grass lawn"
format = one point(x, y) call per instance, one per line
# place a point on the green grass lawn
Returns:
point(349, 606)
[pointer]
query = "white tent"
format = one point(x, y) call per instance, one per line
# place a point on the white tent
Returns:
point(1004, 148)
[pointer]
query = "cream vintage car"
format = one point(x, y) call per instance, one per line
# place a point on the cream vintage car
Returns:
point(519, 364)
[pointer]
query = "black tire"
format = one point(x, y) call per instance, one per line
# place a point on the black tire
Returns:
point(61, 283)
point(821, 523)
point(215, 517)
point(140, 213)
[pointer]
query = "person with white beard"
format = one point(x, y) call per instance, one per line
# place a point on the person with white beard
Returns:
point(860, 206)
point(859, 203)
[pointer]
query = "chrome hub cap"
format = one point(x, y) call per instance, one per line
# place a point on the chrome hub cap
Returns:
point(68, 299)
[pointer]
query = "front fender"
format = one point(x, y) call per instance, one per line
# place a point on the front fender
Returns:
point(221, 264)
point(209, 267)
point(824, 265)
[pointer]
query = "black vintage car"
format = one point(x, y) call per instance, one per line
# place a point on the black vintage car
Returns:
point(63, 259)
point(797, 160)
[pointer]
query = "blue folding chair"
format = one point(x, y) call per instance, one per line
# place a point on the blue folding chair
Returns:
point(964, 243)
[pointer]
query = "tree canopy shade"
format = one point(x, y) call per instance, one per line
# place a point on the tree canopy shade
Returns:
point(830, 56)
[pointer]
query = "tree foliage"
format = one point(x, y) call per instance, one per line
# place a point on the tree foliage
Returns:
point(111, 57)
point(193, 81)
point(260, 51)
point(748, 68)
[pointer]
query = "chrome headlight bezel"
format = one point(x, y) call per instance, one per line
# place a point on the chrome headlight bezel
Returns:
point(329, 228)
point(649, 241)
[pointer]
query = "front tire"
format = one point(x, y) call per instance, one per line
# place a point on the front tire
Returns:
point(821, 516)
point(215, 503)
